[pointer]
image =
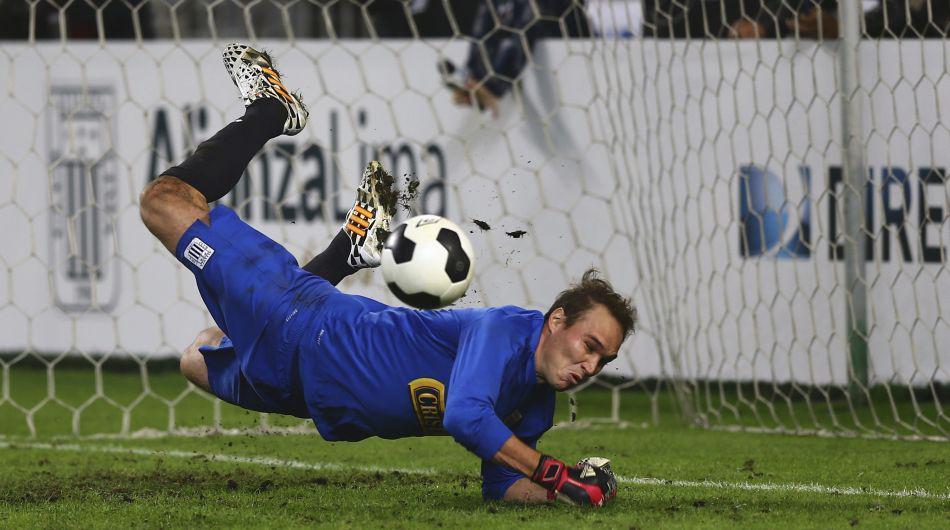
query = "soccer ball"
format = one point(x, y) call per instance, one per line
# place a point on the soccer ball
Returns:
point(428, 262)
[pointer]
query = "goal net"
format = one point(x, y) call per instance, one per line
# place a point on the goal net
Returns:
point(776, 206)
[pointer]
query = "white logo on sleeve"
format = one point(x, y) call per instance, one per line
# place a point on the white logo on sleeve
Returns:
point(198, 252)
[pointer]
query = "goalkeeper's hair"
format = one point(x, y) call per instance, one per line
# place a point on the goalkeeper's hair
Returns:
point(580, 297)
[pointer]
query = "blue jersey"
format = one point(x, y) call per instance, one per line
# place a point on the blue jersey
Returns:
point(297, 345)
point(367, 369)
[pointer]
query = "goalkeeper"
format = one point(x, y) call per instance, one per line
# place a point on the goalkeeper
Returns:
point(287, 341)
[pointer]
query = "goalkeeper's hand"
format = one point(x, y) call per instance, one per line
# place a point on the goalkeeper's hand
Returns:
point(589, 483)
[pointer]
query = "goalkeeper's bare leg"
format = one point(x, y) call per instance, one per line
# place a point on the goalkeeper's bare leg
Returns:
point(169, 206)
point(192, 363)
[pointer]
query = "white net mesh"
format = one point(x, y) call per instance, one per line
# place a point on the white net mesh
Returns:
point(713, 179)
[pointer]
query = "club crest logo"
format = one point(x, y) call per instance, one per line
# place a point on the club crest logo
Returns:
point(774, 216)
point(83, 176)
point(198, 253)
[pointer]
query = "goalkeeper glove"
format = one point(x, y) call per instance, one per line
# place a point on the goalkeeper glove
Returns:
point(589, 483)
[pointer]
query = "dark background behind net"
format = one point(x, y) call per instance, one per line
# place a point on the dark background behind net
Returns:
point(148, 19)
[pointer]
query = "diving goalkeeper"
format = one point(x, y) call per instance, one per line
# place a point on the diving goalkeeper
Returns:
point(287, 341)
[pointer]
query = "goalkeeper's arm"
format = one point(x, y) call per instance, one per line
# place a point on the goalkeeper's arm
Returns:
point(523, 490)
point(486, 347)
point(584, 484)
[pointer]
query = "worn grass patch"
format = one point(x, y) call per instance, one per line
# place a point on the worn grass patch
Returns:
point(432, 482)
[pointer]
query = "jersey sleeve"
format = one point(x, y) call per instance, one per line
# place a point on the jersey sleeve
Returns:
point(486, 349)
point(538, 418)
point(496, 478)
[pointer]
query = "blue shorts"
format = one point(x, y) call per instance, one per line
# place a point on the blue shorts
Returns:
point(262, 300)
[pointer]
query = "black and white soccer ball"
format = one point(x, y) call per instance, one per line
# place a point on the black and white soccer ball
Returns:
point(428, 262)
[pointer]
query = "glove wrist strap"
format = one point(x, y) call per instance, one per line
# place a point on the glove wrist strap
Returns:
point(548, 473)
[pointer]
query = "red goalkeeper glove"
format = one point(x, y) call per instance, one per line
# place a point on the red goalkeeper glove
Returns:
point(587, 484)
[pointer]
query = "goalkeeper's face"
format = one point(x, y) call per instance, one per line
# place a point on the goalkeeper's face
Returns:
point(570, 355)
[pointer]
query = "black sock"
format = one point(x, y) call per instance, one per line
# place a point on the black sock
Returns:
point(331, 264)
point(218, 163)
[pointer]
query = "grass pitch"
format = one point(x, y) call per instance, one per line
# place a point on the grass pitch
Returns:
point(671, 475)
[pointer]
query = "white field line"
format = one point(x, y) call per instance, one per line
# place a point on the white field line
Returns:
point(790, 487)
point(331, 466)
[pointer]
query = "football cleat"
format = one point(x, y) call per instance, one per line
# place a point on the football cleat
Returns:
point(254, 74)
point(367, 223)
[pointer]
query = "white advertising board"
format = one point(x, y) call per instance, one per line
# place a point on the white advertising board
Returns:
point(631, 156)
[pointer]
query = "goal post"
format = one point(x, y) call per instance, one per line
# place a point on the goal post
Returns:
point(854, 175)
point(776, 208)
